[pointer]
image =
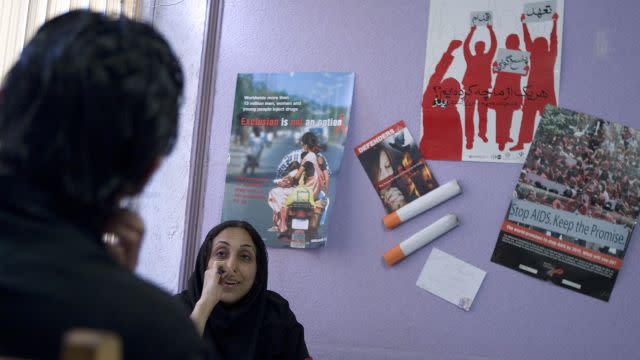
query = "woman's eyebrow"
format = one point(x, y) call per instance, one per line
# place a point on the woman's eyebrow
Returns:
point(248, 247)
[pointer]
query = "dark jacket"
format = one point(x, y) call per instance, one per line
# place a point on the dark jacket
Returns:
point(281, 336)
point(55, 274)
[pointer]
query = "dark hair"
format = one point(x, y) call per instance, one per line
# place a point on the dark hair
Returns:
point(309, 170)
point(311, 140)
point(89, 106)
point(374, 162)
point(292, 166)
point(262, 259)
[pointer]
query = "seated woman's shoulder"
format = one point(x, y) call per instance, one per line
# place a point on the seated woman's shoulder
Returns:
point(277, 308)
point(276, 300)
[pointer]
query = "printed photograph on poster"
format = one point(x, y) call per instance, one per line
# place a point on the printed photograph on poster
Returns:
point(575, 205)
point(395, 167)
point(490, 69)
point(287, 140)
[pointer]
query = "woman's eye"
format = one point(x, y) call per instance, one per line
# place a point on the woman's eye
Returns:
point(246, 257)
point(220, 254)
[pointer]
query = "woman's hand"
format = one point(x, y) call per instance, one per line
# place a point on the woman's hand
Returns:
point(285, 182)
point(211, 287)
point(211, 294)
point(123, 237)
point(393, 198)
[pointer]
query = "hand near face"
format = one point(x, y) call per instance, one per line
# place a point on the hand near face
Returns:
point(211, 293)
point(393, 198)
point(123, 237)
point(211, 286)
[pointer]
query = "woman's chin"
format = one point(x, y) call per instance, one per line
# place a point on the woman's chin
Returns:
point(231, 297)
point(229, 300)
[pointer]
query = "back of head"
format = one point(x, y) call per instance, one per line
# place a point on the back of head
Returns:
point(452, 87)
point(89, 107)
point(540, 44)
point(309, 170)
point(310, 139)
point(512, 42)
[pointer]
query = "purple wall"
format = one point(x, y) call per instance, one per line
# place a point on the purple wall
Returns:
point(353, 307)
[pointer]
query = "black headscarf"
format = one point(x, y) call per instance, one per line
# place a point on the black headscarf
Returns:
point(234, 329)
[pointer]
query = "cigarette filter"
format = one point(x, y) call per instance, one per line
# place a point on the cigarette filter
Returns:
point(420, 239)
point(423, 203)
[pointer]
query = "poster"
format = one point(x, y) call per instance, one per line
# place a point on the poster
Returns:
point(287, 141)
point(395, 167)
point(490, 69)
point(575, 205)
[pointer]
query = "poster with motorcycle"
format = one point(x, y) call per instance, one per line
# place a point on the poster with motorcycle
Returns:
point(490, 69)
point(575, 205)
point(287, 141)
point(395, 167)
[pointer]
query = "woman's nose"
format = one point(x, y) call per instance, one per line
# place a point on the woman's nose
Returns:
point(231, 263)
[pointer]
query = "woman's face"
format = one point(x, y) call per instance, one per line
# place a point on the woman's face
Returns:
point(234, 247)
point(386, 169)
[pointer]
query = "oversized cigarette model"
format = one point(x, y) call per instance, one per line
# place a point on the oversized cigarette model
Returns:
point(420, 239)
point(423, 203)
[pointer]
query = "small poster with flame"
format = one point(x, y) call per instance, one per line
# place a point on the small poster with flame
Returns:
point(395, 166)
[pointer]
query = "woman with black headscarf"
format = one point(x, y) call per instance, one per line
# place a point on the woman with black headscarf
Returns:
point(231, 306)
